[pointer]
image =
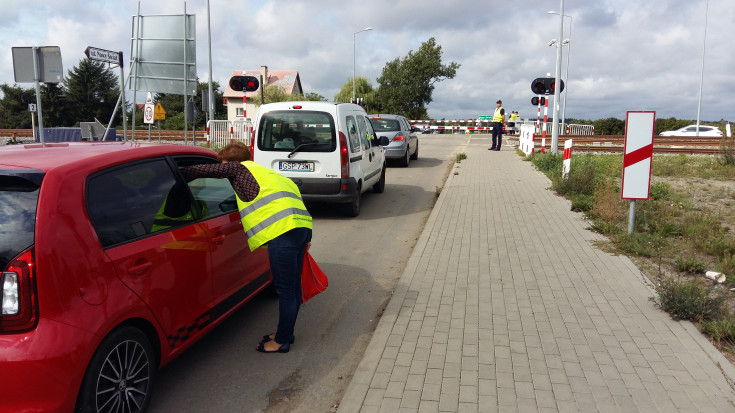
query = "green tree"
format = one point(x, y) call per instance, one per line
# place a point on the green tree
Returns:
point(609, 126)
point(91, 92)
point(363, 89)
point(275, 93)
point(14, 107)
point(314, 97)
point(56, 111)
point(406, 85)
point(173, 104)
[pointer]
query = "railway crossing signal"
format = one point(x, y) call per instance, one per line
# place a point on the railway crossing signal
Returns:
point(545, 86)
point(244, 83)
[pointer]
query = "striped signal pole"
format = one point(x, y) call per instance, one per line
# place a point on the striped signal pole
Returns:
point(543, 132)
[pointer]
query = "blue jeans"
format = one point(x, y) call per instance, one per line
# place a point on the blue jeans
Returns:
point(286, 256)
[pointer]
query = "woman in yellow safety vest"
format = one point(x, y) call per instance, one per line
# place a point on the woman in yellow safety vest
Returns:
point(273, 215)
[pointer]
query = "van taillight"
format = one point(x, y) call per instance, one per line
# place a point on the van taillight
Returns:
point(19, 297)
point(344, 156)
point(252, 144)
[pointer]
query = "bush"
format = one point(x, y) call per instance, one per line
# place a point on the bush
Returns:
point(691, 300)
point(690, 265)
point(660, 190)
point(722, 330)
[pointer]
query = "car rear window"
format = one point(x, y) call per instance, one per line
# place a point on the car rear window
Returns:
point(309, 131)
point(18, 201)
point(385, 125)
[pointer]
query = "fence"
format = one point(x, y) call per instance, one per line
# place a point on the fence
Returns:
point(222, 132)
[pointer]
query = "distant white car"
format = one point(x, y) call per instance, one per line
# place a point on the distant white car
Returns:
point(691, 130)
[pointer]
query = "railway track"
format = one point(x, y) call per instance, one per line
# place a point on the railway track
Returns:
point(582, 143)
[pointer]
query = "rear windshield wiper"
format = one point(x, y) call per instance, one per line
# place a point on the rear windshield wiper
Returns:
point(298, 148)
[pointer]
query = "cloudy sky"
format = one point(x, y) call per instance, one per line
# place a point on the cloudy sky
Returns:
point(623, 55)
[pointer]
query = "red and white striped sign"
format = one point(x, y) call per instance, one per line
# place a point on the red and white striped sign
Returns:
point(638, 154)
point(566, 165)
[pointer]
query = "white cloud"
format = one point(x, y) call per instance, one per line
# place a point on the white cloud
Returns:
point(625, 55)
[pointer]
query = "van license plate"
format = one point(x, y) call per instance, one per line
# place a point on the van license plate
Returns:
point(296, 166)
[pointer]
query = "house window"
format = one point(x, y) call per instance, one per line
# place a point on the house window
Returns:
point(238, 112)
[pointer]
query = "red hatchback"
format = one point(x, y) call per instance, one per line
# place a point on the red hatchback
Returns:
point(112, 265)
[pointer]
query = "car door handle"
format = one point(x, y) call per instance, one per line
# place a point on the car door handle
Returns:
point(218, 238)
point(140, 269)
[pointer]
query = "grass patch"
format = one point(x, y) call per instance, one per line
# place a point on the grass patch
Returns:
point(693, 300)
point(680, 230)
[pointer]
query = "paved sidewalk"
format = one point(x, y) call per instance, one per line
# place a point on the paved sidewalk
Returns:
point(506, 305)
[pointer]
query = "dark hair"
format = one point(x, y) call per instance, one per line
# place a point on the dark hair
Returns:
point(234, 152)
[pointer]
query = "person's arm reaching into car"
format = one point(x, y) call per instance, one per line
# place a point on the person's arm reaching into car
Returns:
point(243, 182)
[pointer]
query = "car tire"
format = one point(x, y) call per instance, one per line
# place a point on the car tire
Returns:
point(405, 160)
point(122, 370)
point(352, 209)
point(416, 152)
point(379, 187)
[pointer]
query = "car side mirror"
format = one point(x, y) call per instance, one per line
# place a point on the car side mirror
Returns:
point(384, 141)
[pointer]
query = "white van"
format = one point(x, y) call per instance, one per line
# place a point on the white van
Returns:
point(328, 149)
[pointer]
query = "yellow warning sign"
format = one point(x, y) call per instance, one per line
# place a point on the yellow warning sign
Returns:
point(159, 113)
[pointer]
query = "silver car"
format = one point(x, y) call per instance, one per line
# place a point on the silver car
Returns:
point(404, 140)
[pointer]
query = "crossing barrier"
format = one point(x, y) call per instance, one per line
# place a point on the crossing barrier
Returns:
point(221, 132)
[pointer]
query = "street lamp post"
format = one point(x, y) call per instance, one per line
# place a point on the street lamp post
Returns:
point(555, 124)
point(354, 35)
point(568, 43)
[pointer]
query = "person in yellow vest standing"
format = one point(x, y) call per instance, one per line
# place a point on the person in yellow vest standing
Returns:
point(274, 216)
point(498, 120)
point(512, 122)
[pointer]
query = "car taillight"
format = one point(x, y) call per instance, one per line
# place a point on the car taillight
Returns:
point(398, 138)
point(344, 156)
point(19, 298)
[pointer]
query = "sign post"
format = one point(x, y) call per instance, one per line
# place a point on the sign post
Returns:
point(637, 159)
point(107, 56)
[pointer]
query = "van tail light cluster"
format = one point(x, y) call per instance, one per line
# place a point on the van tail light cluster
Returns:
point(19, 311)
point(252, 144)
point(344, 156)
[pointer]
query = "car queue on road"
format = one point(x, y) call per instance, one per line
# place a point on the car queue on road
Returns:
point(113, 264)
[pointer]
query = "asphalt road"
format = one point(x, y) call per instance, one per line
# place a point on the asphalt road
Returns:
point(364, 257)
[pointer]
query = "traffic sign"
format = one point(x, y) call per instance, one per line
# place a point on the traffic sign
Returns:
point(31, 107)
point(148, 113)
point(637, 156)
point(485, 118)
point(102, 55)
point(159, 113)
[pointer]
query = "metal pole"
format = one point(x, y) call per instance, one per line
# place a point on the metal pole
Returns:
point(210, 103)
point(135, 78)
point(186, 70)
point(631, 216)
point(701, 79)
point(566, 87)
point(37, 78)
point(124, 102)
point(354, 35)
point(555, 124)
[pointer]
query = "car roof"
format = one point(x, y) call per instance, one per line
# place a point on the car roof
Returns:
point(49, 156)
point(386, 115)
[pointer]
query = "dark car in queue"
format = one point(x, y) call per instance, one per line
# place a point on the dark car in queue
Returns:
point(404, 140)
point(112, 265)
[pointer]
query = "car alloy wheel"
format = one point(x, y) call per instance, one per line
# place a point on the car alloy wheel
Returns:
point(120, 376)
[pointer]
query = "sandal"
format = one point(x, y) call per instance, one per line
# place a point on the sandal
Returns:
point(283, 349)
point(267, 338)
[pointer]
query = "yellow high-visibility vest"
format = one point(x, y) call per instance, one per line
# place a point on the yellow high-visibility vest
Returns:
point(497, 117)
point(277, 209)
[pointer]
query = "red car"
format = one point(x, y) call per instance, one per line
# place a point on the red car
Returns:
point(112, 265)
